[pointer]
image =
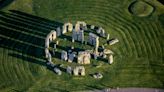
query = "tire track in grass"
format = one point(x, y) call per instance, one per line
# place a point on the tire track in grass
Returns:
point(154, 49)
point(157, 34)
point(148, 37)
point(3, 77)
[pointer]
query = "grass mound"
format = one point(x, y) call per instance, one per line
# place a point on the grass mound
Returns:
point(141, 9)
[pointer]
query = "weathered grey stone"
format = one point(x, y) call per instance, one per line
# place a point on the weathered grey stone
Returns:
point(79, 70)
point(92, 26)
point(107, 37)
point(58, 31)
point(53, 52)
point(98, 31)
point(95, 56)
point(57, 71)
point(51, 36)
point(71, 57)
point(102, 32)
point(110, 59)
point(104, 55)
point(57, 42)
point(80, 25)
point(93, 39)
point(64, 55)
point(49, 57)
point(78, 36)
point(113, 41)
point(67, 27)
point(69, 70)
point(46, 52)
point(72, 47)
point(107, 51)
point(98, 76)
point(83, 57)
point(54, 46)
point(50, 64)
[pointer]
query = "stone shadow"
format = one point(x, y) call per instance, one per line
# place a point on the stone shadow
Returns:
point(25, 33)
point(161, 1)
point(4, 3)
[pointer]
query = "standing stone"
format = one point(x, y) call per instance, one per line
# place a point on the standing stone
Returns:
point(73, 40)
point(67, 27)
point(110, 59)
point(79, 70)
point(64, 55)
point(80, 25)
point(98, 31)
point(72, 47)
point(84, 57)
point(95, 56)
point(104, 56)
point(113, 41)
point(102, 33)
point(103, 47)
point(81, 36)
point(92, 26)
point(71, 57)
point(53, 52)
point(57, 71)
point(107, 38)
point(58, 30)
point(69, 70)
point(49, 57)
point(57, 42)
point(78, 36)
point(93, 40)
point(54, 46)
point(46, 52)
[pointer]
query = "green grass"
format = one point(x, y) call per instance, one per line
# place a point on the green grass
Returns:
point(140, 8)
point(138, 59)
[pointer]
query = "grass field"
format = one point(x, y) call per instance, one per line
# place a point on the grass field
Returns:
point(138, 59)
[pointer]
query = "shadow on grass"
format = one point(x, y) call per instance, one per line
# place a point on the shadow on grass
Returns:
point(4, 3)
point(161, 1)
point(25, 33)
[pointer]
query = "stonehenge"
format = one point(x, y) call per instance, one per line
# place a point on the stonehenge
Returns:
point(83, 57)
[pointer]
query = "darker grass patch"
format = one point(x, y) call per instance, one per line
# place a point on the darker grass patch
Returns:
point(161, 1)
point(4, 3)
